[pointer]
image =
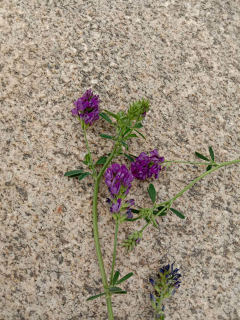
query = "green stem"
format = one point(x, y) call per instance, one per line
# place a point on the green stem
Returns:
point(114, 252)
point(96, 234)
point(189, 162)
point(89, 152)
point(202, 176)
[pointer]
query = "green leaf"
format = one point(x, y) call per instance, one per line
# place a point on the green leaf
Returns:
point(102, 160)
point(138, 125)
point(133, 219)
point(132, 155)
point(179, 214)
point(140, 134)
point(115, 278)
point(135, 211)
point(211, 153)
point(73, 173)
point(152, 192)
point(164, 213)
point(199, 155)
point(95, 297)
point(126, 131)
point(124, 144)
point(209, 168)
point(132, 135)
point(127, 276)
point(105, 117)
point(120, 292)
point(83, 175)
point(112, 114)
point(106, 136)
point(129, 158)
point(115, 289)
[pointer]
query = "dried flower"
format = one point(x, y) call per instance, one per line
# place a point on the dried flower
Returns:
point(145, 166)
point(87, 108)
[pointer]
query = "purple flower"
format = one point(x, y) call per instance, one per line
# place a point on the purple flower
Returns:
point(116, 206)
point(145, 166)
point(129, 214)
point(118, 178)
point(87, 108)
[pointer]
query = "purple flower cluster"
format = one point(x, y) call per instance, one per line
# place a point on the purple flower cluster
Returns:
point(87, 107)
point(118, 180)
point(145, 166)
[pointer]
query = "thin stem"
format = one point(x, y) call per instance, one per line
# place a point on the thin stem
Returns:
point(114, 252)
point(89, 152)
point(189, 162)
point(202, 176)
point(96, 234)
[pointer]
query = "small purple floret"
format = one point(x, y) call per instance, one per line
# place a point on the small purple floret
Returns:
point(145, 166)
point(87, 107)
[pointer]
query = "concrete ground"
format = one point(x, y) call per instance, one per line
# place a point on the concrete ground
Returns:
point(184, 56)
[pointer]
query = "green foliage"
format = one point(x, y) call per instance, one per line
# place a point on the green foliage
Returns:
point(105, 117)
point(179, 214)
point(152, 192)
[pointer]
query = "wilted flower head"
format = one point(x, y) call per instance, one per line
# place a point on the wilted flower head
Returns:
point(145, 166)
point(138, 110)
point(87, 108)
point(165, 286)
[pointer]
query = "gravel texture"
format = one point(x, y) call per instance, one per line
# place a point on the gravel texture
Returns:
point(184, 57)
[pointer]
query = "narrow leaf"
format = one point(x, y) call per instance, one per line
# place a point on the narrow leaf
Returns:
point(106, 136)
point(209, 168)
point(95, 297)
point(211, 153)
point(83, 175)
point(152, 192)
point(129, 158)
point(115, 278)
point(120, 292)
point(135, 211)
point(140, 134)
point(124, 144)
point(199, 155)
point(111, 114)
point(138, 125)
point(105, 117)
point(132, 155)
point(133, 219)
point(132, 135)
point(128, 130)
point(164, 213)
point(127, 276)
point(73, 173)
point(115, 289)
point(102, 160)
point(179, 214)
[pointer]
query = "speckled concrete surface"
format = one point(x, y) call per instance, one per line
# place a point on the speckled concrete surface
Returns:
point(184, 57)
